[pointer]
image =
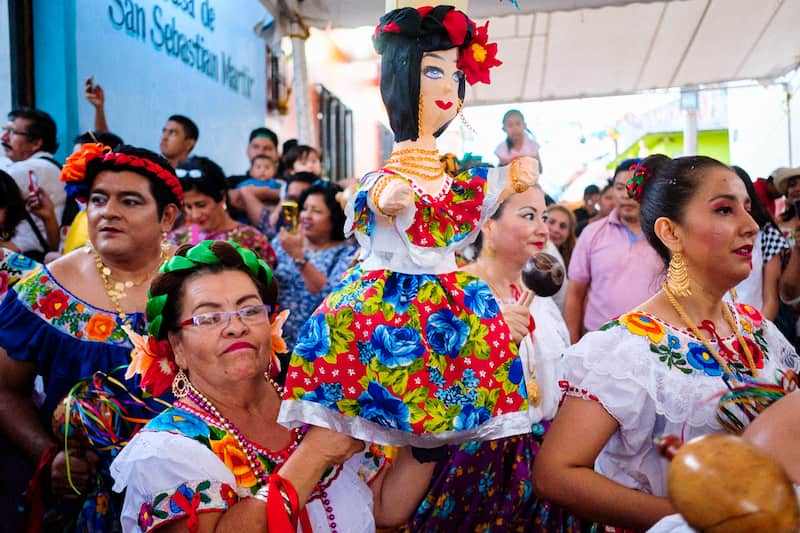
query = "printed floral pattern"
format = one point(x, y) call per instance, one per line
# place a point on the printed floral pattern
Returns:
point(689, 355)
point(415, 353)
point(438, 222)
point(46, 299)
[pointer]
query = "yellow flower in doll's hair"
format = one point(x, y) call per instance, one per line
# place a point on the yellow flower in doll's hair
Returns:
point(235, 459)
point(641, 324)
point(478, 52)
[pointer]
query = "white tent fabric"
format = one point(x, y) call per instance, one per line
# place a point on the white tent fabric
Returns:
point(557, 49)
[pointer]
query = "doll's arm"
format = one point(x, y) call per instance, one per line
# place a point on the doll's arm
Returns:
point(523, 173)
point(390, 195)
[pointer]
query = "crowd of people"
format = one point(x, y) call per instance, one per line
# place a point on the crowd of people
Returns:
point(181, 349)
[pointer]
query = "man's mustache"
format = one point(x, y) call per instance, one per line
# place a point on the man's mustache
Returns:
point(6, 145)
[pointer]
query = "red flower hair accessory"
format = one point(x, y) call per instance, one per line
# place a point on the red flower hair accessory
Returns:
point(478, 56)
point(153, 361)
point(74, 173)
point(635, 186)
point(75, 167)
point(169, 179)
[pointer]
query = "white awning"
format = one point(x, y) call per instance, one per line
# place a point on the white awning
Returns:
point(557, 49)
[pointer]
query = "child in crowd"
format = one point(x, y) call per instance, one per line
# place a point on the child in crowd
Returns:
point(302, 158)
point(261, 184)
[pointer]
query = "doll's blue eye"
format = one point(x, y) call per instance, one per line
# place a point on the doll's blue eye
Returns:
point(434, 73)
point(458, 76)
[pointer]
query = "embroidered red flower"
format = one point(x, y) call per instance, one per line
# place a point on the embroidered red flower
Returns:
point(53, 304)
point(758, 355)
point(479, 56)
point(75, 167)
point(753, 314)
point(228, 494)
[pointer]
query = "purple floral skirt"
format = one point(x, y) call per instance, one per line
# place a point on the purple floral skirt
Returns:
point(487, 487)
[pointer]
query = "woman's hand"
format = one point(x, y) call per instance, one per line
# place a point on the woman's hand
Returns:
point(396, 197)
point(332, 447)
point(94, 93)
point(292, 243)
point(81, 470)
point(40, 204)
point(518, 316)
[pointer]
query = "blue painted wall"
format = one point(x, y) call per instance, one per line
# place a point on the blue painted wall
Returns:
point(154, 58)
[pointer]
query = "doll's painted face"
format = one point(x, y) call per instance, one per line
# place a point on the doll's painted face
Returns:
point(438, 87)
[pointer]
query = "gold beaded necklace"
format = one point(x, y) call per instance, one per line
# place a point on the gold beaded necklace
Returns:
point(417, 163)
point(726, 312)
point(118, 290)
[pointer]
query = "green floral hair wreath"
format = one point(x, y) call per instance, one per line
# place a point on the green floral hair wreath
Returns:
point(190, 258)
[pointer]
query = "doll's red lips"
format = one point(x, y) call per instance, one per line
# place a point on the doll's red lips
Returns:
point(444, 105)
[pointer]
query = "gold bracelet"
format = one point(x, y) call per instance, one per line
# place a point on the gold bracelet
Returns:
point(378, 189)
point(514, 175)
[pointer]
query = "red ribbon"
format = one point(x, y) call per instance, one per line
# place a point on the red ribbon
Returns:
point(277, 519)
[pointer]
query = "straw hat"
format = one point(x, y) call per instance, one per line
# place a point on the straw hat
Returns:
point(781, 176)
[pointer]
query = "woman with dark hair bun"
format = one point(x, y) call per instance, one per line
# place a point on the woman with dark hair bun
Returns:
point(407, 349)
point(204, 186)
point(651, 372)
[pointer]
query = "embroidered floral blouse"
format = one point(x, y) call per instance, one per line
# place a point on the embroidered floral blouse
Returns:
point(656, 379)
point(181, 464)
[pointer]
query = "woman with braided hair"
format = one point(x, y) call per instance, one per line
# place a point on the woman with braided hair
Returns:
point(659, 368)
point(217, 460)
point(407, 349)
point(63, 321)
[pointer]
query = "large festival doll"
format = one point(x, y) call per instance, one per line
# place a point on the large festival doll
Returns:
point(406, 349)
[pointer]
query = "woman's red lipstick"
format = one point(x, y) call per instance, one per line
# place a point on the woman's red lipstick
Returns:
point(238, 346)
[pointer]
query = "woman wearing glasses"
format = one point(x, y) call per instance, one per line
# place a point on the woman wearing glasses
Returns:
point(217, 460)
point(204, 187)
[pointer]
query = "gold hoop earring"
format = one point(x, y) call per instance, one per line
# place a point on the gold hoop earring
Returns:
point(180, 384)
point(678, 276)
point(420, 131)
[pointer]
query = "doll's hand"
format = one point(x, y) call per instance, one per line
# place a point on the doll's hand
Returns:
point(524, 173)
point(396, 197)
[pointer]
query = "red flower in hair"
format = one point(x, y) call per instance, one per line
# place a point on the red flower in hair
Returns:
point(636, 183)
point(75, 167)
point(152, 360)
point(392, 27)
point(479, 56)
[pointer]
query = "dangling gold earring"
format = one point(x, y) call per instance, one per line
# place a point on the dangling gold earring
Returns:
point(180, 384)
point(463, 118)
point(419, 117)
point(678, 276)
point(734, 294)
